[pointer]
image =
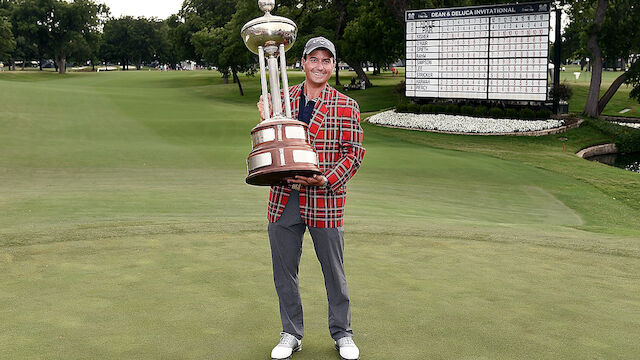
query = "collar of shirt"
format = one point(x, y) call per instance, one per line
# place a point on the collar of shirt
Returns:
point(306, 107)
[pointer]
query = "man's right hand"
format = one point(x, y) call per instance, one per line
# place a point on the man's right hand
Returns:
point(261, 107)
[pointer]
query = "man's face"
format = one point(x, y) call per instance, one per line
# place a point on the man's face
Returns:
point(318, 67)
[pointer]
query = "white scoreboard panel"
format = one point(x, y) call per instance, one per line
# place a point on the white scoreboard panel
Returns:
point(494, 52)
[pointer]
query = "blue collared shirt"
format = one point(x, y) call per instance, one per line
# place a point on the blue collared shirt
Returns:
point(305, 111)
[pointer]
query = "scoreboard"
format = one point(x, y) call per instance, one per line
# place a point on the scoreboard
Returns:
point(497, 52)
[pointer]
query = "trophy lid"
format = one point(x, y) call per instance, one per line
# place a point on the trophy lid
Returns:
point(268, 28)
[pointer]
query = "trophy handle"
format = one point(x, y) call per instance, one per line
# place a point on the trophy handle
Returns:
point(274, 83)
point(263, 80)
point(285, 82)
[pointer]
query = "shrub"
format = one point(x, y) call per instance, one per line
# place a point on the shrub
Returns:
point(562, 91)
point(511, 113)
point(452, 109)
point(402, 107)
point(527, 113)
point(398, 89)
point(439, 109)
point(466, 110)
point(413, 108)
point(426, 109)
point(480, 111)
point(543, 114)
point(496, 112)
point(627, 139)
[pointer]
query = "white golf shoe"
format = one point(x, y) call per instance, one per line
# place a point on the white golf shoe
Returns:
point(348, 349)
point(287, 346)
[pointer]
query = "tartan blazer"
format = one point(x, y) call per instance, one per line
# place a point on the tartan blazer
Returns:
point(336, 135)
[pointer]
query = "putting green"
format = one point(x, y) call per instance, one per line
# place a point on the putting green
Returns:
point(127, 232)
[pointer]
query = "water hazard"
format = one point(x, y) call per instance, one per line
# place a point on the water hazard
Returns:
point(629, 162)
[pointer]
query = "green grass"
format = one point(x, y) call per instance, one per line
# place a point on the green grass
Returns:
point(127, 232)
point(580, 87)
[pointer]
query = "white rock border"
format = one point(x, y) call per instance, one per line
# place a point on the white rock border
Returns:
point(462, 124)
point(629, 124)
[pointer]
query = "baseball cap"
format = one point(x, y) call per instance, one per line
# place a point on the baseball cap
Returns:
point(319, 43)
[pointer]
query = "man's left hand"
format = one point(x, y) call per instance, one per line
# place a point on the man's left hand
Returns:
point(316, 180)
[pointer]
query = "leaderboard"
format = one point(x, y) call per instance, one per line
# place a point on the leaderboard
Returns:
point(485, 52)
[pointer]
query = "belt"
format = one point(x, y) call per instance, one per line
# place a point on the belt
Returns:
point(295, 187)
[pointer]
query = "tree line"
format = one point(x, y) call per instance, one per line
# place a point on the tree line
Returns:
point(205, 31)
point(364, 31)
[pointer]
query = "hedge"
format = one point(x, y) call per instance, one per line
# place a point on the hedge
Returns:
point(511, 113)
point(468, 110)
point(480, 111)
point(413, 108)
point(496, 112)
point(426, 109)
point(527, 113)
point(627, 139)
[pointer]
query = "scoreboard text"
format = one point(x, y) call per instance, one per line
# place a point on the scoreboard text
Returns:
point(488, 52)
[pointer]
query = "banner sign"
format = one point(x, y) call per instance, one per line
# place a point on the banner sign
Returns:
point(495, 52)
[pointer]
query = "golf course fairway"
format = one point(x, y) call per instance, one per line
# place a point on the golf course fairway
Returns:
point(127, 232)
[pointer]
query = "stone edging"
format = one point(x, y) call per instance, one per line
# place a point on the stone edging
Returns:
point(518, 133)
point(603, 149)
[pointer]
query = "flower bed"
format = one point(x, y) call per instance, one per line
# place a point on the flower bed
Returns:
point(458, 123)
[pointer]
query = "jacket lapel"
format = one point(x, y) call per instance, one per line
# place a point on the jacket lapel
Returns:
point(294, 97)
point(319, 112)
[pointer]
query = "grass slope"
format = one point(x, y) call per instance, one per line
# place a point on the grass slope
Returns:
point(127, 232)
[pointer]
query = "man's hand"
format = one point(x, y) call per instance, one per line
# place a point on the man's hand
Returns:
point(316, 180)
point(261, 106)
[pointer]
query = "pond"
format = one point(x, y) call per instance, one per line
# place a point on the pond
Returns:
point(629, 162)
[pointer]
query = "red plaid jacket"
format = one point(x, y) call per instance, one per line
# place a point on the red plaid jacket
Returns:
point(335, 133)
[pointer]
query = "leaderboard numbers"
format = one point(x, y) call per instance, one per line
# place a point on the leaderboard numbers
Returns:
point(518, 57)
point(482, 57)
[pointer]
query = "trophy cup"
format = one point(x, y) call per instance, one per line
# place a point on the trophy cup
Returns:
point(281, 146)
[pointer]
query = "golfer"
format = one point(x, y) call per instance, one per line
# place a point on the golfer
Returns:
point(317, 202)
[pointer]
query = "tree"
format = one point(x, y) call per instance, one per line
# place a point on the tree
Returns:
point(7, 39)
point(88, 50)
point(138, 41)
point(608, 30)
point(196, 15)
point(179, 45)
point(222, 46)
point(5, 7)
point(145, 40)
point(167, 51)
point(375, 35)
point(116, 44)
point(7, 42)
point(591, 106)
point(180, 32)
point(572, 47)
point(327, 18)
point(69, 25)
point(30, 35)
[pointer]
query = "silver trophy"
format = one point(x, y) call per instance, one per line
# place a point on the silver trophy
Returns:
point(281, 146)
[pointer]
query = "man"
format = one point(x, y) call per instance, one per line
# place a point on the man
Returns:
point(317, 202)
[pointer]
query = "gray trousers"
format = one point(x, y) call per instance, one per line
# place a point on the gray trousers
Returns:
point(285, 237)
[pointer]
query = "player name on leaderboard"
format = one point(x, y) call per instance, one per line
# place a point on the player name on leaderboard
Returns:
point(485, 52)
